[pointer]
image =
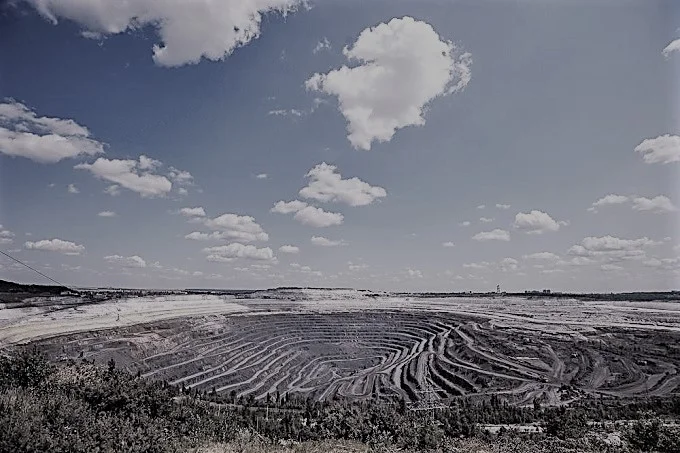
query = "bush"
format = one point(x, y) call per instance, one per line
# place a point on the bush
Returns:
point(649, 434)
point(566, 424)
point(28, 368)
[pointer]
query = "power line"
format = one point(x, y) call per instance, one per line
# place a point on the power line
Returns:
point(33, 269)
point(57, 282)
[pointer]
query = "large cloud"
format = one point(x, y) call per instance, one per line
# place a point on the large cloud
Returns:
point(611, 243)
point(130, 174)
point(126, 261)
point(227, 226)
point(403, 65)
point(658, 205)
point(230, 252)
point(234, 226)
point(536, 222)
point(660, 150)
point(188, 30)
point(327, 185)
point(56, 245)
point(612, 248)
point(42, 139)
point(317, 217)
point(288, 207)
point(494, 235)
point(607, 200)
point(308, 215)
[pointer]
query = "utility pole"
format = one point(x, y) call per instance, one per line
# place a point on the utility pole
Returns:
point(428, 399)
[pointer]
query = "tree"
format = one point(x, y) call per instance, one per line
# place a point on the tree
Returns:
point(566, 424)
point(644, 434)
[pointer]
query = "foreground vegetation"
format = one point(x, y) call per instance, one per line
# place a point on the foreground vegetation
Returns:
point(80, 407)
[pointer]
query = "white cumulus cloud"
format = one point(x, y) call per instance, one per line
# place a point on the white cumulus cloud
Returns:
point(669, 264)
point(234, 226)
point(448, 244)
point(126, 261)
point(327, 185)
point(673, 46)
point(536, 222)
point(324, 242)
point(6, 236)
point(113, 190)
point(495, 235)
point(658, 205)
point(193, 212)
point(611, 248)
point(230, 252)
point(289, 249)
point(107, 214)
point(188, 30)
point(403, 56)
point(179, 177)
point(611, 199)
point(200, 236)
point(147, 163)
point(660, 150)
point(56, 245)
point(288, 207)
point(414, 273)
point(546, 256)
point(129, 174)
point(42, 139)
point(308, 215)
point(324, 44)
point(73, 189)
point(317, 217)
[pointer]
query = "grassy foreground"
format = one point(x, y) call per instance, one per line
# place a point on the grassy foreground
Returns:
point(81, 407)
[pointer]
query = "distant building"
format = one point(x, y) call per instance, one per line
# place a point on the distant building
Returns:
point(537, 292)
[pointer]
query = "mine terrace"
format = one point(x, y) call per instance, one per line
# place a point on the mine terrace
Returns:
point(341, 343)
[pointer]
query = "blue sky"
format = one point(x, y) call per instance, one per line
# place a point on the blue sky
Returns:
point(541, 108)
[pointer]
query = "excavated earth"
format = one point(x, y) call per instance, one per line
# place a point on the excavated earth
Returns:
point(358, 345)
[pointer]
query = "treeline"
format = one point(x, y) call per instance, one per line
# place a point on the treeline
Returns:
point(81, 407)
point(634, 297)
